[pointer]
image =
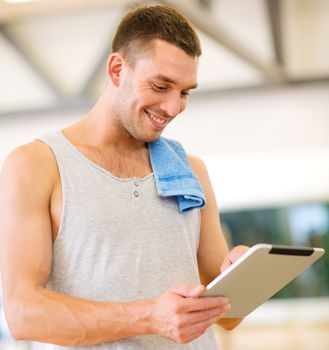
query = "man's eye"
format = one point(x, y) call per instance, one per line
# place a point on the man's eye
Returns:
point(159, 88)
point(185, 93)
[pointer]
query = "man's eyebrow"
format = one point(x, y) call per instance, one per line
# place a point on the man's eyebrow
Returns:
point(172, 81)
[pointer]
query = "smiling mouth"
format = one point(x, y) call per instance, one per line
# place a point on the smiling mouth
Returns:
point(157, 122)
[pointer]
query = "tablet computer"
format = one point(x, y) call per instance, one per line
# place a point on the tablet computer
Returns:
point(259, 273)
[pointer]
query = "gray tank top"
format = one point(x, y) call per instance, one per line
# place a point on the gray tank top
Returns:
point(119, 241)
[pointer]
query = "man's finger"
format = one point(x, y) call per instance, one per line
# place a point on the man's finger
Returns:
point(188, 291)
point(206, 303)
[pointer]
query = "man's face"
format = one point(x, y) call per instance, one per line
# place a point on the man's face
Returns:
point(155, 90)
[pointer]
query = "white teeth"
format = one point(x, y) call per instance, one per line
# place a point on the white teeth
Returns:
point(160, 121)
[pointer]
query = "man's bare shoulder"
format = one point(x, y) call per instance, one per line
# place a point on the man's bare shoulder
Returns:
point(198, 166)
point(200, 170)
point(33, 163)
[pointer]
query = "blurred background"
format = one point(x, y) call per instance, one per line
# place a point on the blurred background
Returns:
point(259, 119)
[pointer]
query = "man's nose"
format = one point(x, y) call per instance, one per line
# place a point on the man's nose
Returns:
point(172, 104)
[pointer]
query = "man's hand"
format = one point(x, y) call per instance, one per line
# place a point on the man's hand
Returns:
point(181, 315)
point(232, 256)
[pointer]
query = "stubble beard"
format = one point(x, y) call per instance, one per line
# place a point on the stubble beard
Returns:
point(132, 125)
point(126, 123)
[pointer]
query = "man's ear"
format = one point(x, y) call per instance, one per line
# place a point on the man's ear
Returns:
point(115, 64)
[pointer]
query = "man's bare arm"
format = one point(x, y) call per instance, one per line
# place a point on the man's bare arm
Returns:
point(213, 249)
point(35, 313)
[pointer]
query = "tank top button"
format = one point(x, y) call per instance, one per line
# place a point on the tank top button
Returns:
point(136, 183)
point(136, 193)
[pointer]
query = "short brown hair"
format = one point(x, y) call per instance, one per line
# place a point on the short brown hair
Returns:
point(140, 26)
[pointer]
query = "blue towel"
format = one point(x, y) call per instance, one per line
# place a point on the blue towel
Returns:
point(173, 174)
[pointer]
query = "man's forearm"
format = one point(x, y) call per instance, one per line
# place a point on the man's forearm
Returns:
point(178, 314)
point(46, 316)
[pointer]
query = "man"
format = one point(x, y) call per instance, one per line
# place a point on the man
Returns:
point(90, 254)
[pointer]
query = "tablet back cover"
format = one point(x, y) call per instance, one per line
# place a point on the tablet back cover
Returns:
point(259, 274)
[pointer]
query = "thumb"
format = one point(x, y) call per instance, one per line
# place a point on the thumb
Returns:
point(188, 291)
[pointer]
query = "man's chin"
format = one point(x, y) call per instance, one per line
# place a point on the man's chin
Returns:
point(145, 137)
point(151, 138)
